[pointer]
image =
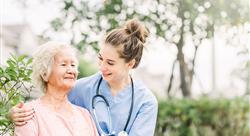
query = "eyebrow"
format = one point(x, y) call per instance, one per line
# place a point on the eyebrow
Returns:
point(107, 59)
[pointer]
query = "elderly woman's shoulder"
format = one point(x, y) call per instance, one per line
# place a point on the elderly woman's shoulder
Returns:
point(82, 111)
point(32, 104)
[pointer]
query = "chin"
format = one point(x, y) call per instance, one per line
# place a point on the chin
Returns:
point(69, 86)
point(107, 78)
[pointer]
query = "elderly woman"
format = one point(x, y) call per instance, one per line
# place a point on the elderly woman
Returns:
point(55, 72)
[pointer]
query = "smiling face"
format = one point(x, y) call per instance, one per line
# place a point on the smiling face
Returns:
point(112, 66)
point(63, 70)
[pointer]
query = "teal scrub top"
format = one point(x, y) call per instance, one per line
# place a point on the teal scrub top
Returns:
point(144, 113)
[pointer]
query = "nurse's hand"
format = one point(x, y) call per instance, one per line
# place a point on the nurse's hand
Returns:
point(20, 114)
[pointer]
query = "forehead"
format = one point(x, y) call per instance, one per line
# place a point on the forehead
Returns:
point(109, 51)
point(65, 54)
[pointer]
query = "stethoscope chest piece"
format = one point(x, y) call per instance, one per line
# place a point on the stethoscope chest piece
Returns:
point(123, 133)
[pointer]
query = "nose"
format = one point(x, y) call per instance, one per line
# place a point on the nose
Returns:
point(102, 66)
point(71, 70)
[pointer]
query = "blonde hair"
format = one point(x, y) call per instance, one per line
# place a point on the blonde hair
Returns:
point(43, 58)
point(131, 37)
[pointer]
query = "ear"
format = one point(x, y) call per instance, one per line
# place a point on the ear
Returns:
point(45, 77)
point(131, 63)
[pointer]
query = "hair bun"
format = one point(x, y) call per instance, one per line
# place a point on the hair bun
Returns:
point(135, 28)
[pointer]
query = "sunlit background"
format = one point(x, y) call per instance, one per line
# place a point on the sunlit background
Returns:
point(220, 35)
point(196, 48)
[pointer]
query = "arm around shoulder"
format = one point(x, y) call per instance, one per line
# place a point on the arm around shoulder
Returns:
point(29, 129)
point(31, 126)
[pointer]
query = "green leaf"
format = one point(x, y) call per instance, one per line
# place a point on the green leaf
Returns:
point(1, 71)
point(21, 58)
point(11, 63)
point(29, 61)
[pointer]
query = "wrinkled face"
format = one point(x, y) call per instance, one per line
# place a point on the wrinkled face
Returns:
point(112, 67)
point(63, 71)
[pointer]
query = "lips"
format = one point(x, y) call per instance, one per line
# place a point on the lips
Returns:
point(106, 74)
point(70, 77)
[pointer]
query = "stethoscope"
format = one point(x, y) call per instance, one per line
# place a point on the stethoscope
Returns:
point(98, 95)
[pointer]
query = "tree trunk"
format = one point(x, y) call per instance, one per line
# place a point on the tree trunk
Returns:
point(171, 78)
point(185, 87)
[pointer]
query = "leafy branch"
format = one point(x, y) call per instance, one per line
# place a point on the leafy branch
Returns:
point(14, 87)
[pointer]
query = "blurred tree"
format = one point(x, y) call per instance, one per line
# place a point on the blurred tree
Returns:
point(240, 37)
point(86, 68)
point(174, 20)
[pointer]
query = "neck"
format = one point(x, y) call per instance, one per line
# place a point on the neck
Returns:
point(119, 85)
point(57, 99)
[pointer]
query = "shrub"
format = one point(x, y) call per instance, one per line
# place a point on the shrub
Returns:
point(204, 117)
point(14, 84)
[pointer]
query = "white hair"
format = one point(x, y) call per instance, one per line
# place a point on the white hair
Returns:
point(43, 58)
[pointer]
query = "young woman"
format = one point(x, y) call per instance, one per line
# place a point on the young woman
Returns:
point(118, 104)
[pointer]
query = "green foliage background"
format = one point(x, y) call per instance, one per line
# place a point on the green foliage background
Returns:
point(14, 87)
point(176, 117)
point(86, 68)
point(204, 117)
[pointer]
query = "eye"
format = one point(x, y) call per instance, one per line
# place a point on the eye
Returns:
point(100, 58)
point(73, 65)
point(63, 64)
point(110, 63)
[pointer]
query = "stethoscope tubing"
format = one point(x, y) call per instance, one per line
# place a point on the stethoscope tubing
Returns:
point(107, 103)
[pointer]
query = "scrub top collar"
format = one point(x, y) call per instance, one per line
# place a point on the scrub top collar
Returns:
point(105, 90)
